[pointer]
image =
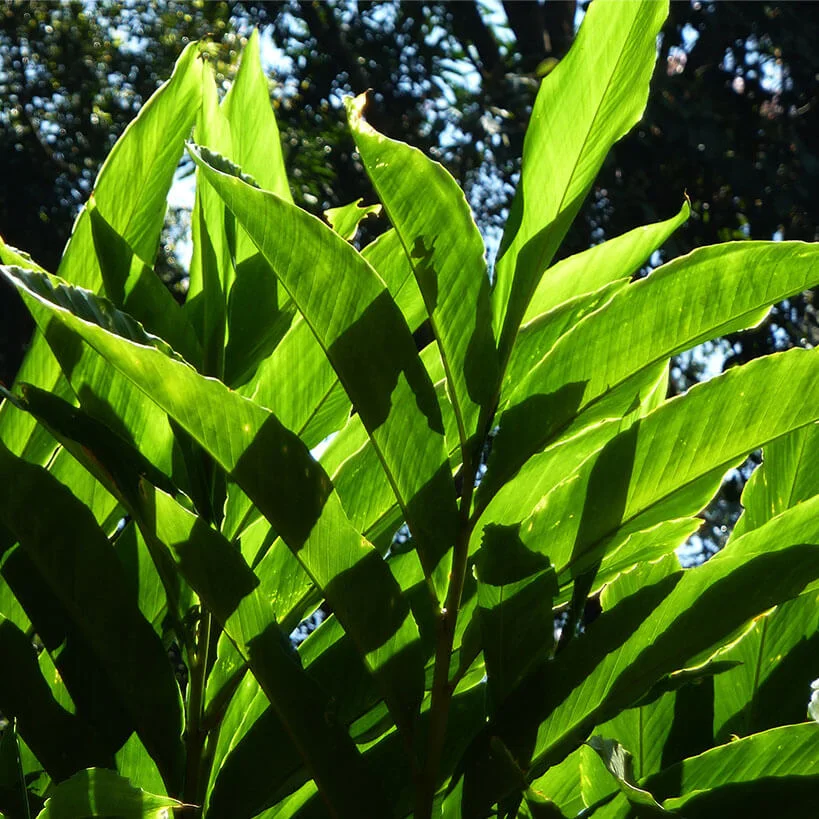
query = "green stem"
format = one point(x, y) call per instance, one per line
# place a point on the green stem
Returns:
point(442, 689)
point(195, 733)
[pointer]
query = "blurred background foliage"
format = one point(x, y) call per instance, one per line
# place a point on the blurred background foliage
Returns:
point(732, 122)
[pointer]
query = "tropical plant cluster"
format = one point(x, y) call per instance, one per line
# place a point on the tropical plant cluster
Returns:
point(195, 480)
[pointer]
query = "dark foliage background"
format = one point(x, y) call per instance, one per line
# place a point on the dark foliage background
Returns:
point(732, 122)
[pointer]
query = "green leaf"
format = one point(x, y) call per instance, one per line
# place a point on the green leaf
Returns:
point(592, 98)
point(211, 267)
point(667, 465)
point(133, 182)
point(578, 286)
point(100, 792)
point(787, 476)
point(140, 292)
point(614, 260)
point(346, 219)
point(771, 773)
point(366, 338)
point(130, 194)
point(255, 140)
point(386, 254)
point(135, 764)
point(70, 560)
point(619, 764)
point(776, 658)
point(18, 430)
point(432, 218)
point(561, 785)
point(515, 591)
point(255, 144)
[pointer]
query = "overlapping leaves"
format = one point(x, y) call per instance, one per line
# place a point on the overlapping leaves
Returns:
point(165, 487)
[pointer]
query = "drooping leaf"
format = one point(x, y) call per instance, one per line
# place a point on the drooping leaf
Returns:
point(667, 465)
point(579, 285)
point(710, 292)
point(613, 260)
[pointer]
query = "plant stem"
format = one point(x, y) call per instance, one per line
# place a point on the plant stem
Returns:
point(195, 733)
point(442, 690)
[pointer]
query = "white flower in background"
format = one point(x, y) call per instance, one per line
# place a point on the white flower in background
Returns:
point(813, 705)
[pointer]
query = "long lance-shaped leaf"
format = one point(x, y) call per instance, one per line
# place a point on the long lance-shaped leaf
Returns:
point(71, 556)
point(211, 267)
point(774, 773)
point(134, 181)
point(593, 97)
point(275, 469)
point(787, 476)
point(710, 292)
point(233, 296)
point(431, 216)
point(253, 130)
point(256, 147)
point(652, 633)
point(668, 465)
point(130, 192)
point(617, 258)
point(371, 348)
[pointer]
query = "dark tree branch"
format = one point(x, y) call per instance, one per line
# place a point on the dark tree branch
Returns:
point(330, 41)
point(558, 19)
point(470, 27)
point(541, 30)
